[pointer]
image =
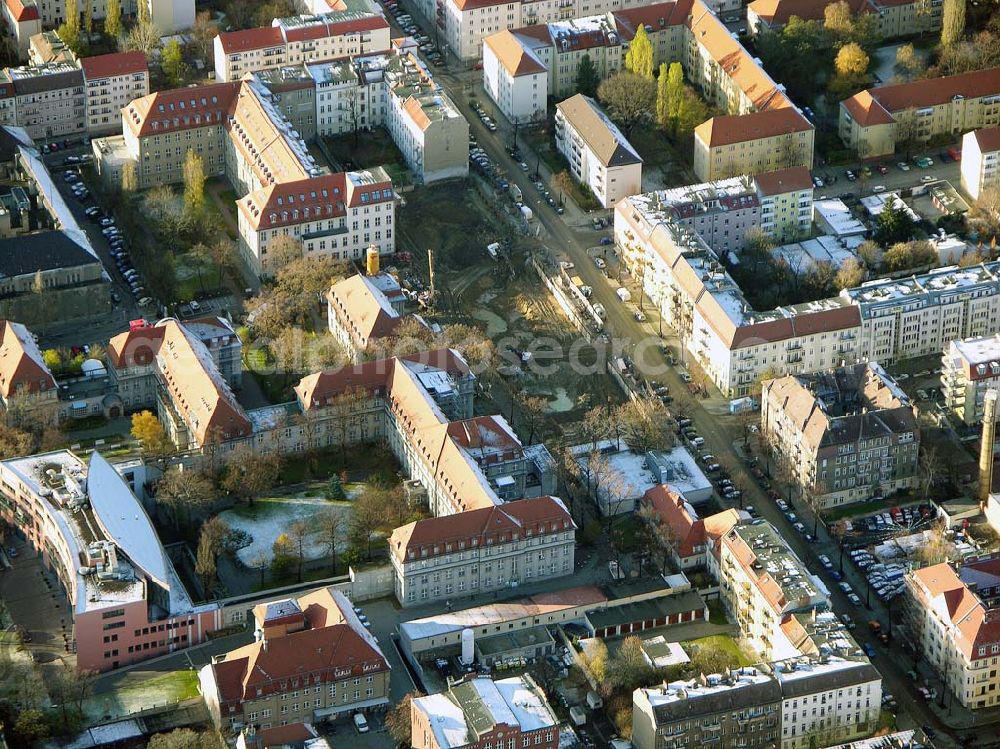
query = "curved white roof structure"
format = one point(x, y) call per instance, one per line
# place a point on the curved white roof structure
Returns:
point(123, 518)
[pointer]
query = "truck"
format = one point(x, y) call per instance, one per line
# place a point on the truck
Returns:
point(594, 700)
point(578, 715)
point(739, 405)
point(624, 294)
point(515, 192)
point(526, 212)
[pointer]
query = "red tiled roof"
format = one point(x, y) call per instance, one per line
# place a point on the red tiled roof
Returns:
point(670, 13)
point(287, 203)
point(22, 367)
point(523, 518)
point(738, 128)
point(807, 323)
point(354, 25)
point(135, 347)
point(784, 180)
point(20, 11)
point(281, 736)
point(866, 111)
point(110, 66)
point(181, 108)
point(988, 139)
point(316, 389)
point(264, 37)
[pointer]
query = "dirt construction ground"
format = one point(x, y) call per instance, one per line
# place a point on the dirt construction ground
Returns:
point(508, 302)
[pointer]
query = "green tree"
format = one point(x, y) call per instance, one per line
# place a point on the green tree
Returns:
point(172, 62)
point(205, 563)
point(194, 183)
point(907, 60)
point(334, 489)
point(69, 31)
point(30, 727)
point(952, 22)
point(113, 19)
point(893, 225)
point(587, 78)
point(662, 98)
point(639, 58)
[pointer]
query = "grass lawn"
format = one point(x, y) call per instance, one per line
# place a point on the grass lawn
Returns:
point(719, 642)
point(364, 459)
point(628, 532)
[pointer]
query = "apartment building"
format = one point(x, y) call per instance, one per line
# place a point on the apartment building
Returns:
point(732, 711)
point(421, 405)
point(21, 22)
point(980, 159)
point(896, 18)
point(763, 131)
point(239, 132)
point(358, 29)
point(953, 616)
point(483, 550)
point(764, 142)
point(311, 660)
point(47, 47)
point(763, 582)
point(48, 101)
point(830, 691)
point(294, 95)
point(846, 435)
point(685, 535)
point(82, 519)
point(969, 368)
point(110, 83)
point(334, 215)
point(884, 320)
point(874, 121)
point(363, 310)
point(480, 712)
point(599, 156)
point(186, 371)
point(23, 372)
point(722, 212)
point(395, 91)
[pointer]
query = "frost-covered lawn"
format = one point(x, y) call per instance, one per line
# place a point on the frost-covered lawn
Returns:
point(269, 517)
point(130, 696)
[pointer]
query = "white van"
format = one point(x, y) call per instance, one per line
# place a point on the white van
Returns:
point(623, 294)
point(360, 724)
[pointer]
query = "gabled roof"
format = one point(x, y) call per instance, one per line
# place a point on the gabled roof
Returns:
point(181, 108)
point(515, 58)
point(244, 40)
point(867, 111)
point(792, 179)
point(988, 139)
point(688, 531)
point(335, 642)
point(523, 518)
point(286, 203)
point(22, 367)
point(113, 65)
point(737, 128)
point(362, 310)
point(778, 12)
point(971, 625)
point(601, 135)
point(197, 389)
point(21, 10)
point(26, 254)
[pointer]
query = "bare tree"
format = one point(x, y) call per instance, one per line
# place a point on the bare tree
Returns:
point(300, 532)
point(182, 492)
point(929, 467)
point(330, 527)
point(839, 531)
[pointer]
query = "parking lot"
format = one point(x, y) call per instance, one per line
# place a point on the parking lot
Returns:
point(890, 173)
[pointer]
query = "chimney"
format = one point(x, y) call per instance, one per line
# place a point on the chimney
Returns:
point(986, 449)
